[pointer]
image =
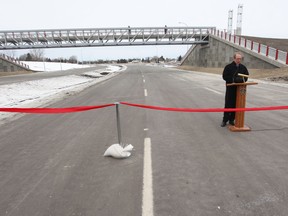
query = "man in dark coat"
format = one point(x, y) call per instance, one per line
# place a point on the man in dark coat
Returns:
point(230, 75)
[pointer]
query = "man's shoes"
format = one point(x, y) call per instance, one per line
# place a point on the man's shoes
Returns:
point(223, 124)
point(231, 123)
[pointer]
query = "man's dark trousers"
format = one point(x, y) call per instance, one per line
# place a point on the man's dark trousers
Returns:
point(230, 102)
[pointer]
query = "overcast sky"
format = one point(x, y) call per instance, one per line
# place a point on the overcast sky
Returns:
point(260, 18)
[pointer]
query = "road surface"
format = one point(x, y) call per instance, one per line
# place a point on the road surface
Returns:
point(53, 164)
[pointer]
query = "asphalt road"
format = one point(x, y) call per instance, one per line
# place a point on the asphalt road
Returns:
point(53, 164)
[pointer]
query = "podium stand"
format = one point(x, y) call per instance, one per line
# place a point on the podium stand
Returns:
point(240, 103)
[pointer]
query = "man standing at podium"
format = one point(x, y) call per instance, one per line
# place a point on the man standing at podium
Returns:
point(230, 75)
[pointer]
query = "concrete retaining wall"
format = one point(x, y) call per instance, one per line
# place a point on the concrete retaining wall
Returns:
point(219, 53)
point(7, 66)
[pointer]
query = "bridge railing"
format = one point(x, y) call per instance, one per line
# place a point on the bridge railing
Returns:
point(270, 52)
point(56, 38)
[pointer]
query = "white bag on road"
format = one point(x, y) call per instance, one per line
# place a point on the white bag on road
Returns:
point(117, 151)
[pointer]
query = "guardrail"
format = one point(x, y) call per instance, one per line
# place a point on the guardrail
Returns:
point(270, 52)
point(15, 61)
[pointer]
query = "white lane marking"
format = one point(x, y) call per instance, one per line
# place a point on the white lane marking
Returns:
point(143, 80)
point(145, 92)
point(146, 129)
point(212, 90)
point(147, 200)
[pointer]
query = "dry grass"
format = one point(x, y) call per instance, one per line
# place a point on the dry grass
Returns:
point(14, 73)
point(279, 74)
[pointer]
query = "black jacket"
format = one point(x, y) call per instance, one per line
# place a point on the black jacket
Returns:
point(231, 71)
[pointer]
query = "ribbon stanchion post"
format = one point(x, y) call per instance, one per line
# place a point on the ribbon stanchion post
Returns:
point(119, 150)
point(118, 124)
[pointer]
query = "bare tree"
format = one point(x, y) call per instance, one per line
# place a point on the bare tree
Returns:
point(73, 59)
point(37, 54)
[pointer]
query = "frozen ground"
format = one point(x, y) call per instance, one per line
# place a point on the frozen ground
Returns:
point(41, 92)
point(52, 66)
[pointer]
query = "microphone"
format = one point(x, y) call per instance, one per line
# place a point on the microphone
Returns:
point(242, 75)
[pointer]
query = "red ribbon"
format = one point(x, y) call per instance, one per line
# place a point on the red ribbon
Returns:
point(205, 109)
point(54, 110)
point(86, 108)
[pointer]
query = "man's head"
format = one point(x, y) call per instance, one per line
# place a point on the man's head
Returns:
point(237, 58)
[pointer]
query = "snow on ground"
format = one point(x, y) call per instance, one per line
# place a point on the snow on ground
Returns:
point(42, 92)
point(18, 94)
point(52, 66)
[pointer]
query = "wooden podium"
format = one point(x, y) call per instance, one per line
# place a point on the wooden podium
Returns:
point(240, 103)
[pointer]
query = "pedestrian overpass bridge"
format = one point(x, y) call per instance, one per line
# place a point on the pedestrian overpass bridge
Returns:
point(204, 56)
point(99, 37)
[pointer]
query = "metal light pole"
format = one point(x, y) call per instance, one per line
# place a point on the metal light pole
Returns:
point(186, 30)
point(44, 64)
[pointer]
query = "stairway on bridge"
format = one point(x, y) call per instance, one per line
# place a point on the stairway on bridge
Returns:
point(9, 64)
point(277, 43)
point(259, 53)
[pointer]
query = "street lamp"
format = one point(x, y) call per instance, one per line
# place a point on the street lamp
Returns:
point(186, 30)
point(183, 23)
